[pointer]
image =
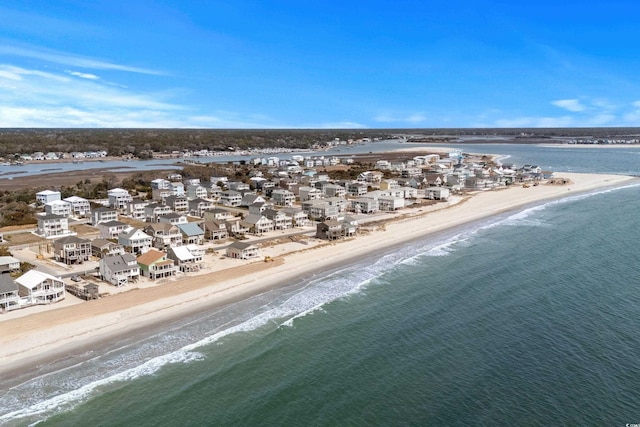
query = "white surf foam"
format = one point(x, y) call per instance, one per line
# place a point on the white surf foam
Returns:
point(69, 399)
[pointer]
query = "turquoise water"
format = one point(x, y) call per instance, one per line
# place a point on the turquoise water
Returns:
point(530, 318)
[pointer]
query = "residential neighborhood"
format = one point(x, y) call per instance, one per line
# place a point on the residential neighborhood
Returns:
point(187, 225)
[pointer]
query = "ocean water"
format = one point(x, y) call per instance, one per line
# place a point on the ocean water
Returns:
point(528, 318)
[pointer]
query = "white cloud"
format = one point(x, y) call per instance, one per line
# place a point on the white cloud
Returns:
point(31, 98)
point(83, 75)
point(72, 60)
point(572, 105)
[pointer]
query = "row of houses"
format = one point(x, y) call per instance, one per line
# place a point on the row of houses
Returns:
point(120, 269)
point(53, 155)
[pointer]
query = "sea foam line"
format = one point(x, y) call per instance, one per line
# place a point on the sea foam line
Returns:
point(311, 299)
point(520, 218)
point(60, 402)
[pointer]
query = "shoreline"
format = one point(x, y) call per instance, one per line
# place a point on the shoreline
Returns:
point(29, 342)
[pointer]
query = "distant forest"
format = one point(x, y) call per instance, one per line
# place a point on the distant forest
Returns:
point(142, 142)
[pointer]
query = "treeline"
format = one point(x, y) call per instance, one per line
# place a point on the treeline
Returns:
point(139, 142)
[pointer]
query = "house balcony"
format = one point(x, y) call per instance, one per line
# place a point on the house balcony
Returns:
point(9, 302)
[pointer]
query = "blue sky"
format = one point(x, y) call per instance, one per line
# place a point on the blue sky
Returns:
point(319, 64)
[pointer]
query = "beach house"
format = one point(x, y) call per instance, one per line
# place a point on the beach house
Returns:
point(102, 247)
point(135, 240)
point(198, 206)
point(153, 211)
point(188, 258)
point(330, 230)
point(298, 217)
point(258, 224)
point(80, 207)
point(437, 193)
point(214, 230)
point(282, 197)
point(9, 264)
point(218, 215)
point(72, 250)
point(155, 265)
point(230, 198)
point(364, 205)
point(281, 221)
point(192, 234)
point(164, 235)
point(174, 218)
point(57, 207)
point(37, 287)
point(46, 196)
point(111, 229)
point(196, 191)
point(135, 209)
point(103, 214)
point(52, 226)
point(118, 198)
point(177, 203)
point(9, 293)
point(242, 250)
point(319, 209)
point(120, 269)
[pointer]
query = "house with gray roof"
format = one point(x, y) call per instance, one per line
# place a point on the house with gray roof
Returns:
point(119, 270)
point(164, 234)
point(258, 224)
point(155, 210)
point(214, 230)
point(72, 250)
point(103, 214)
point(199, 206)
point(9, 293)
point(242, 250)
point(111, 229)
point(177, 203)
point(103, 247)
point(135, 209)
point(135, 240)
point(281, 221)
point(173, 218)
point(250, 198)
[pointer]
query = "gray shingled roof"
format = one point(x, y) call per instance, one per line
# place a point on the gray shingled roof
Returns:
point(119, 262)
point(7, 284)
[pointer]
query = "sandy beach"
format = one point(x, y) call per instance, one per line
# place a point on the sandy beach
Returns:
point(30, 340)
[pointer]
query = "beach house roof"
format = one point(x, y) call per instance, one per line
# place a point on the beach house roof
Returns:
point(182, 253)
point(150, 257)
point(190, 229)
point(7, 284)
point(5, 260)
point(33, 278)
point(119, 262)
point(71, 239)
